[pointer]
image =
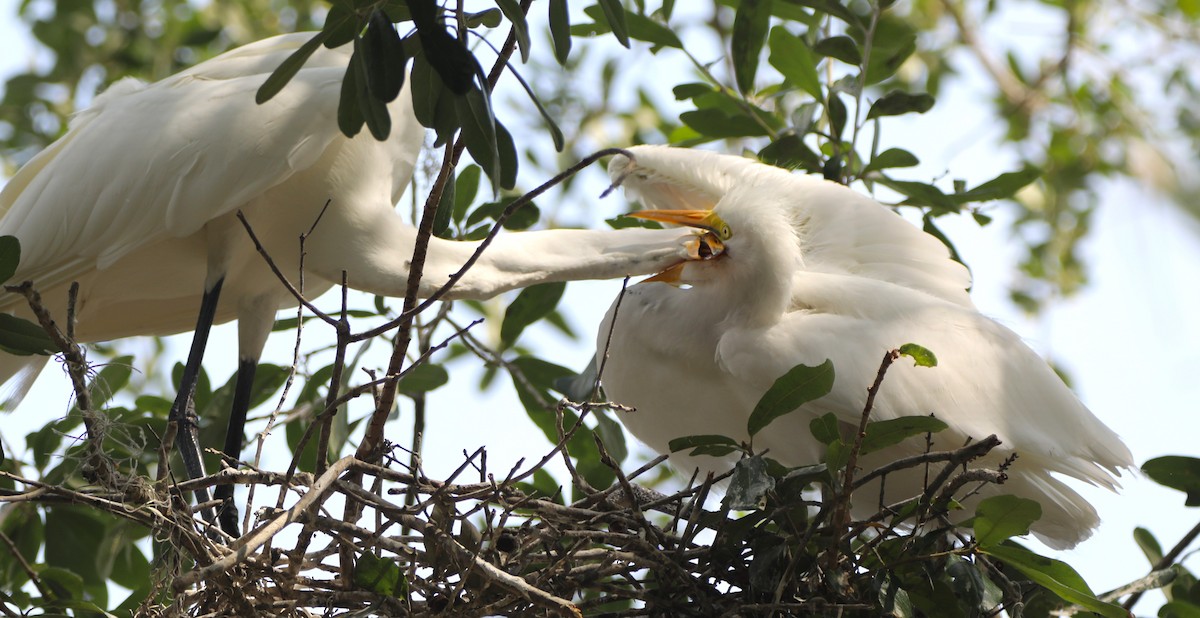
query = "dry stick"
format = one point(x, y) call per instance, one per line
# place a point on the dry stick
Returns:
point(1167, 560)
point(101, 470)
point(841, 515)
point(259, 536)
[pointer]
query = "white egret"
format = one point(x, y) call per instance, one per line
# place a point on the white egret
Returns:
point(137, 202)
point(816, 271)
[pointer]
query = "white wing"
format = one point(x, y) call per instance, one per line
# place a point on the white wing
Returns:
point(151, 162)
point(841, 231)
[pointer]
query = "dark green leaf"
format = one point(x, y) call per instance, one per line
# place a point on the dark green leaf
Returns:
point(479, 131)
point(790, 152)
point(531, 305)
point(612, 436)
point(920, 194)
point(882, 434)
point(694, 442)
point(1177, 472)
point(10, 256)
point(791, 56)
point(839, 47)
point(920, 355)
point(379, 575)
point(646, 29)
point(349, 114)
point(971, 585)
point(1055, 576)
point(893, 42)
point(892, 157)
point(374, 111)
point(749, 485)
point(999, 518)
point(516, 17)
point(22, 337)
point(560, 30)
point(489, 18)
point(837, 115)
point(445, 210)
point(800, 385)
point(289, 67)
point(614, 16)
point(1179, 609)
point(384, 58)
point(507, 149)
point(749, 33)
point(1001, 187)
point(898, 102)
point(714, 123)
point(825, 428)
point(466, 187)
point(423, 378)
point(73, 539)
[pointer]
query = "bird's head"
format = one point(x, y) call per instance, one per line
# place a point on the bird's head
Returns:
point(746, 235)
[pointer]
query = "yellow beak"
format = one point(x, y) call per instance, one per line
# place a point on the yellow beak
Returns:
point(702, 219)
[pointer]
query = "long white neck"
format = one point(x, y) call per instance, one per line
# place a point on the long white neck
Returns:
point(375, 250)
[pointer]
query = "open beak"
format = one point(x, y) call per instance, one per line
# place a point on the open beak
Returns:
point(708, 243)
point(700, 219)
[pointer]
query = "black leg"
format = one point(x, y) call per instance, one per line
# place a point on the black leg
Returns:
point(233, 441)
point(183, 410)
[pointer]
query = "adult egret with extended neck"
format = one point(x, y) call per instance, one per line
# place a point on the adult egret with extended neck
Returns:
point(137, 202)
point(816, 271)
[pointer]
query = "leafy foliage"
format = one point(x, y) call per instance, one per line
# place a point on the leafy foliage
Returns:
point(836, 76)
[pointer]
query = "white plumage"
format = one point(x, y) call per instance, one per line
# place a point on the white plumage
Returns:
point(815, 271)
point(137, 203)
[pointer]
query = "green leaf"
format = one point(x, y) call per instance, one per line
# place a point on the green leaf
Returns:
point(790, 152)
point(614, 16)
point(704, 445)
point(379, 575)
point(22, 337)
point(10, 257)
point(791, 56)
point(474, 111)
point(882, 434)
point(531, 305)
point(971, 586)
point(920, 193)
point(1148, 544)
point(646, 29)
point(920, 355)
point(445, 210)
point(507, 149)
point(837, 115)
point(749, 485)
point(1001, 187)
point(892, 157)
point(556, 134)
point(825, 428)
point(516, 16)
point(749, 33)
point(289, 67)
point(715, 123)
point(374, 111)
point(898, 102)
point(560, 30)
point(349, 115)
point(801, 384)
point(384, 58)
point(999, 518)
point(466, 187)
point(73, 538)
point(1177, 472)
point(1055, 576)
point(111, 379)
point(840, 48)
point(423, 378)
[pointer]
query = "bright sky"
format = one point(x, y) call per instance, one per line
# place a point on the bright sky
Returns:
point(1130, 340)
